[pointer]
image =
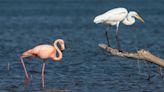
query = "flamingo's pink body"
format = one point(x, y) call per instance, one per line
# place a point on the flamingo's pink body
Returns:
point(44, 52)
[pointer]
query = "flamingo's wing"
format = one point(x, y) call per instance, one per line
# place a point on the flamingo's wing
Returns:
point(43, 51)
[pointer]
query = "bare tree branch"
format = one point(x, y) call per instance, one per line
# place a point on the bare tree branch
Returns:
point(141, 54)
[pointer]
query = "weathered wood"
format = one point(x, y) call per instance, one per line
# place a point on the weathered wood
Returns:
point(141, 54)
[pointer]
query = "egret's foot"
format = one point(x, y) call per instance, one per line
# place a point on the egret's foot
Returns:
point(108, 45)
point(120, 50)
point(119, 47)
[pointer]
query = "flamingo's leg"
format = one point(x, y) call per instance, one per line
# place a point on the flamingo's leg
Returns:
point(43, 67)
point(24, 67)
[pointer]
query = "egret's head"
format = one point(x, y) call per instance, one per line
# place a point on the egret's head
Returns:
point(136, 15)
point(98, 19)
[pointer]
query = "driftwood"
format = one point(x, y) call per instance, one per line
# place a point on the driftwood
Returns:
point(141, 54)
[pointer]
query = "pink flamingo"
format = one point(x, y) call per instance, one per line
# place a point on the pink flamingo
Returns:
point(44, 52)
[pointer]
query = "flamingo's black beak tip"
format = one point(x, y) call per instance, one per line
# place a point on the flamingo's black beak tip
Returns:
point(62, 50)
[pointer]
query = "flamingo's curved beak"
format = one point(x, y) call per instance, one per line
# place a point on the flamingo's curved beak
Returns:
point(63, 47)
point(140, 18)
point(62, 50)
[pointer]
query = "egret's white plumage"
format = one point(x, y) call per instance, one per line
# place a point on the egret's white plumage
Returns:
point(117, 15)
point(114, 16)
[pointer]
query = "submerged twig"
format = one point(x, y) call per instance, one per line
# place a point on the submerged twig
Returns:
point(8, 66)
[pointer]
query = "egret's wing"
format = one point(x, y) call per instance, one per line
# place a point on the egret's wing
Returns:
point(115, 15)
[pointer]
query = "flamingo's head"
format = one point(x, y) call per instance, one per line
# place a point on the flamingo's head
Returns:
point(62, 44)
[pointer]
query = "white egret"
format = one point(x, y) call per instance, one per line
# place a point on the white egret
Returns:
point(114, 16)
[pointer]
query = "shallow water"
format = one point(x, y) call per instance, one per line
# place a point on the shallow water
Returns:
point(85, 67)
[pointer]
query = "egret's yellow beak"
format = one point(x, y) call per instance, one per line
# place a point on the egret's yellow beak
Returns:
point(138, 17)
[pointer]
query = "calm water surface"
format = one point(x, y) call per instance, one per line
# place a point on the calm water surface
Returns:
point(85, 67)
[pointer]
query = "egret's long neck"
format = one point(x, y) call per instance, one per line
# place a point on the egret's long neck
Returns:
point(129, 20)
point(60, 55)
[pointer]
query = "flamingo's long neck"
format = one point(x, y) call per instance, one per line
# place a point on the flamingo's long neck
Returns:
point(60, 55)
point(129, 20)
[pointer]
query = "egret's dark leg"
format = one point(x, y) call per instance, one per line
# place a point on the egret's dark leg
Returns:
point(107, 38)
point(117, 38)
point(43, 67)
